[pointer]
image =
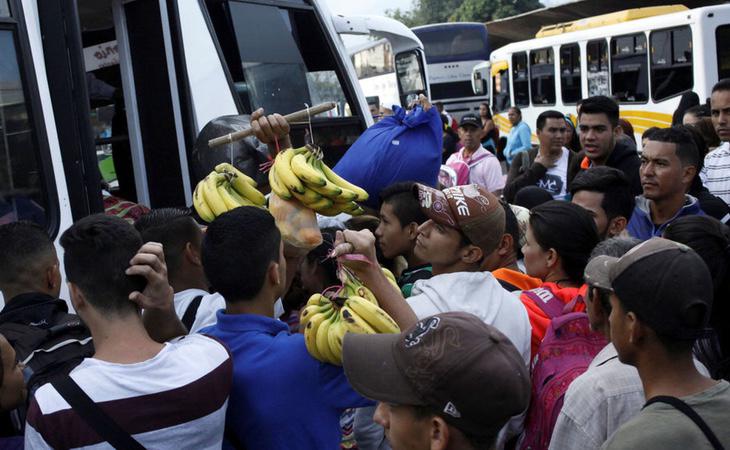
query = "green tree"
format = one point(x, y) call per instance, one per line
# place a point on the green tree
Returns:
point(423, 12)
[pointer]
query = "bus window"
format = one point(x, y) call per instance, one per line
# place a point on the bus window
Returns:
point(629, 74)
point(520, 79)
point(722, 37)
point(279, 57)
point(375, 61)
point(597, 54)
point(671, 62)
point(22, 196)
point(4, 8)
point(542, 76)
point(570, 73)
point(500, 93)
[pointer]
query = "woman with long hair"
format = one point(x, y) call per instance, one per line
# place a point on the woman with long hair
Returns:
point(490, 133)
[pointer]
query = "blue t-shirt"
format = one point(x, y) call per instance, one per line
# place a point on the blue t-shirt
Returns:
point(282, 398)
point(518, 140)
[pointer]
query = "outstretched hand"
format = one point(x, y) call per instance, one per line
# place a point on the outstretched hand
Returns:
point(349, 242)
point(149, 262)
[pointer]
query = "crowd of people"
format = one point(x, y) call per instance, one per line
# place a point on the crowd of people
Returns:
point(570, 295)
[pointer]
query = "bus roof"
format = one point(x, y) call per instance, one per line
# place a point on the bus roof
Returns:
point(608, 19)
point(445, 25)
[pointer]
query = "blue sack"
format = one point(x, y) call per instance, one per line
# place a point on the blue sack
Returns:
point(401, 147)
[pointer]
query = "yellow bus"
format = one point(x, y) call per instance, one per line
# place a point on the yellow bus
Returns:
point(645, 58)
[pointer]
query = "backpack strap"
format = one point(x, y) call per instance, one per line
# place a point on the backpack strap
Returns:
point(192, 310)
point(478, 159)
point(692, 414)
point(93, 415)
point(546, 301)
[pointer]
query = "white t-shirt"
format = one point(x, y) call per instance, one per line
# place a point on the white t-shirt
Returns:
point(209, 305)
point(555, 180)
point(177, 399)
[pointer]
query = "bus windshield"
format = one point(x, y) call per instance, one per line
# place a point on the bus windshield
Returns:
point(278, 57)
point(454, 43)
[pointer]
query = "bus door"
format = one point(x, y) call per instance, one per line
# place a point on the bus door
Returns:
point(117, 103)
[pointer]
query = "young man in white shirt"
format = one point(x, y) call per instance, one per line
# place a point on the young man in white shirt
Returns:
point(716, 171)
point(181, 238)
point(550, 166)
point(161, 395)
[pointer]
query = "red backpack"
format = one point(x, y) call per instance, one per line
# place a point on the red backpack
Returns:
point(456, 173)
point(565, 352)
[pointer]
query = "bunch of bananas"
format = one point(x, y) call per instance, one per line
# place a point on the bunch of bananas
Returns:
point(300, 174)
point(224, 189)
point(325, 321)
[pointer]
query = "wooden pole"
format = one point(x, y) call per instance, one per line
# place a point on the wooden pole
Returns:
point(297, 116)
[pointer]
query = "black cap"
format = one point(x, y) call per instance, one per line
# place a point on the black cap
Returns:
point(470, 120)
point(665, 283)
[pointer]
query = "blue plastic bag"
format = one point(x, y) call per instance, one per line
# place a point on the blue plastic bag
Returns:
point(401, 147)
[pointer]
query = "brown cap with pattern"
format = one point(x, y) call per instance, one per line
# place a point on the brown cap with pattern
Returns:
point(453, 363)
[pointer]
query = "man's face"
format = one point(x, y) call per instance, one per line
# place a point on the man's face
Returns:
point(592, 201)
point(720, 109)
point(661, 172)
point(620, 326)
point(469, 136)
point(597, 136)
point(393, 238)
point(374, 110)
point(404, 430)
point(513, 116)
point(552, 135)
point(13, 391)
point(438, 244)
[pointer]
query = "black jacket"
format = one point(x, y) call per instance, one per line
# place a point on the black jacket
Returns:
point(623, 158)
point(520, 176)
point(33, 308)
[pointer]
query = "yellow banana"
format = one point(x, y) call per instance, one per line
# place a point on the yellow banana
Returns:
point(362, 195)
point(246, 190)
point(317, 299)
point(230, 168)
point(211, 195)
point(366, 293)
point(388, 274)
point(343, 194)
point(322, 203)
point(277, 187)
point(354, 323)
point(200, 206)
point(310, 311)
point(329, 190)
point(308, 197)
point(373, 315)
point(347, 207)
point(329, 212)
point(224, 192)
point(358, 212)
point(334, 339)
point(305, 172)
point(284, 170)
point(310, 336)
point(323, 338)
point(242, 201)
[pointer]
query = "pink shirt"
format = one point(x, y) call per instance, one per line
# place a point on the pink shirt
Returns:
point(486, 173)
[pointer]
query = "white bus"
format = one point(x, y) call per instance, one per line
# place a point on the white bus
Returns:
point(375, 68)
point(452, 50)
point(121, 88)
point(645, 58)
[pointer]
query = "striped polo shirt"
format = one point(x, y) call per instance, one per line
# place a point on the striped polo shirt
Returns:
point(715, 174)
point(176, 399)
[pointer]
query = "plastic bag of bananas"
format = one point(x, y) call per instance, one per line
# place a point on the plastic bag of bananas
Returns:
point(350, 308)
point(300, 174)
point(222, 190)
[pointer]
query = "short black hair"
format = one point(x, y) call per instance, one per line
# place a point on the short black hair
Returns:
point(618, 200)
point(22, 245)
point(600, 104)
point(549, 114)
point(549, 223)
point(404, 203)
point(698, 111)
point(173, 228)
point(238, 248)
point(517, 109)
point(476, 442)
point(512, 227)
point(685, 147)
point(649, 132)
point(722, 85)
point(97, 251)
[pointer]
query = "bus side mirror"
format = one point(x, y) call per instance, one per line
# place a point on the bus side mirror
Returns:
point(411, 75)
